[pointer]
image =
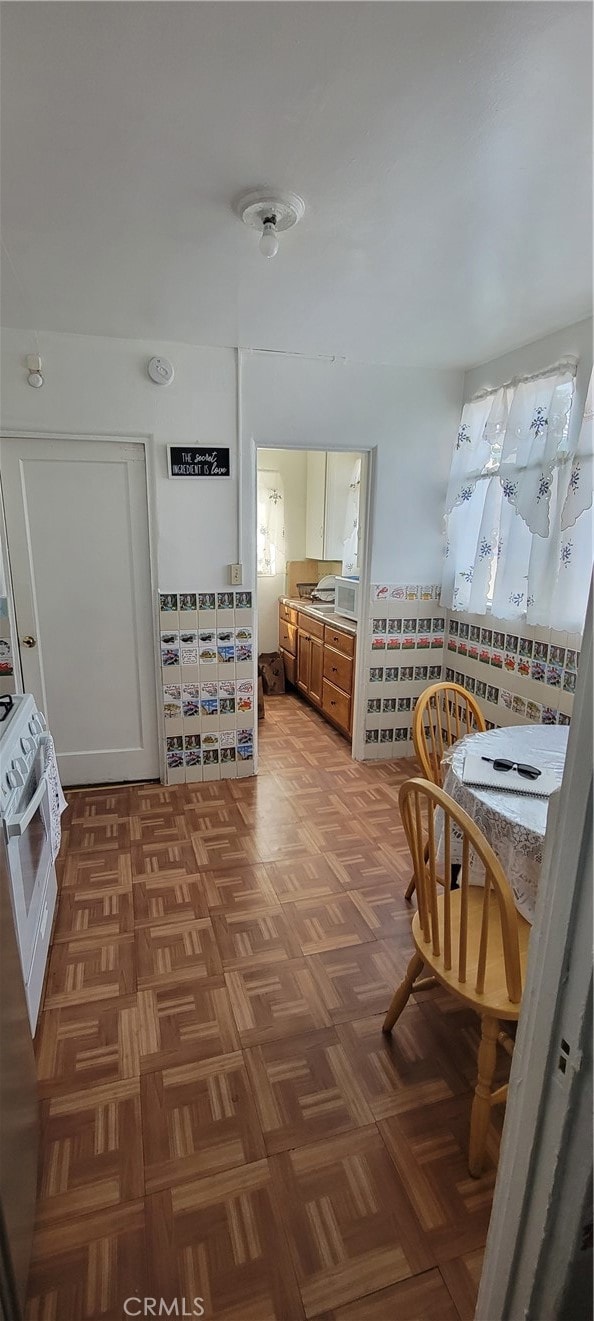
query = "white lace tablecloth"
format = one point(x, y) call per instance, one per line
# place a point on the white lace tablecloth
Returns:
point(514, 824)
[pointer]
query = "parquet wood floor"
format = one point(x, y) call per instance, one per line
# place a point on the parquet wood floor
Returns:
point(221, 1115)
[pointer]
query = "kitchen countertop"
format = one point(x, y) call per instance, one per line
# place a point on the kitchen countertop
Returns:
point(327, 616)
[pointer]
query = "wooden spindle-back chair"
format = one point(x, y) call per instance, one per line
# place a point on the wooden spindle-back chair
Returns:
point(444, 713)
point(473, 939)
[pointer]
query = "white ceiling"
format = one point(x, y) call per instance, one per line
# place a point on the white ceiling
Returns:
point(443, 150)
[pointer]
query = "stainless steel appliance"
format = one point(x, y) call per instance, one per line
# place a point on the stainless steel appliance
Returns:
point(18, 1115)
point(26, 802)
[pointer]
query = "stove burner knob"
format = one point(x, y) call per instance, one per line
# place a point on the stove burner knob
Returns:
point(12, 780)
point(28, 745)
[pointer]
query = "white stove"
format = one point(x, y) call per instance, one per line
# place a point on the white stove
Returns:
point(27, 804)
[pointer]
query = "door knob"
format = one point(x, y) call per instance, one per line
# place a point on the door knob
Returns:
point(28, 641)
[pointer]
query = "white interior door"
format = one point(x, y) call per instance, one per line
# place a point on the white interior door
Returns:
point(77, 525)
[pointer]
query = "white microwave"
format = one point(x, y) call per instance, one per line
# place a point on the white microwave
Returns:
point(346, 600)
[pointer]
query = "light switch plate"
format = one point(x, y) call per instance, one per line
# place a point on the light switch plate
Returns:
point(236, 575)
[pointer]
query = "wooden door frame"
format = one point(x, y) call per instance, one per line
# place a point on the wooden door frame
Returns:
point(367, 504)
point(17, 670)
point(147, 440)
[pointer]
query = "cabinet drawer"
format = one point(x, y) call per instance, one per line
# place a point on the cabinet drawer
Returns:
point(338, 669)
point(337, 705)
point(287, 637)
point(334, 637)
point(314, 627)
point(290, 665)
point(287, 613)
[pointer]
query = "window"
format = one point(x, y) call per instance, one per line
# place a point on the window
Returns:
point(271, 524)
point(518, 508)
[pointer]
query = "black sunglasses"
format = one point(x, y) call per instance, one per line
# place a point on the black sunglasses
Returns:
point(500, 764)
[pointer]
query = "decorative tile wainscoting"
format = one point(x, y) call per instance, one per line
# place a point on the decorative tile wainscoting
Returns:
point(517, 674)
point(405, 653)
point(209, 696)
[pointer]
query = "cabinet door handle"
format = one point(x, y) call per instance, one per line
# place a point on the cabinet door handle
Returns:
point(332, 702)
point(334, 670)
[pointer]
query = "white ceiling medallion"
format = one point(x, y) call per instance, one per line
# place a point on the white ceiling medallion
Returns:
point(270, 213)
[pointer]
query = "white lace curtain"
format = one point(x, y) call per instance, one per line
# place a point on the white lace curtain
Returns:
point(350, 549)
point(519, 505)
point(271, 524)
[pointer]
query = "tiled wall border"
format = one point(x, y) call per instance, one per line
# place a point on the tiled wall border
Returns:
point(518, 674)
point(208, 672)
point(405, 654)
point(209, 695)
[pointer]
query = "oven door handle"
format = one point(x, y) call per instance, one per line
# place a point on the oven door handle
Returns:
point(16, 825)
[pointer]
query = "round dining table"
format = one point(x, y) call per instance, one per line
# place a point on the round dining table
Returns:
point(514, 824)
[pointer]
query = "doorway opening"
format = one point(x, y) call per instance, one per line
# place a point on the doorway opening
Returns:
point(312, 528)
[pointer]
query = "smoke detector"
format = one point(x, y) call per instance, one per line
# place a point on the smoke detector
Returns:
point(271, 214)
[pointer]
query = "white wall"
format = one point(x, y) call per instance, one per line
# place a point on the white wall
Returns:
point(541, 353)
point(98, 385)
point(409, 416)
point(292, 466)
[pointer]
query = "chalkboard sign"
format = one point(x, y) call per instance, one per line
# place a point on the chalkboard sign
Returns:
point(191, 461)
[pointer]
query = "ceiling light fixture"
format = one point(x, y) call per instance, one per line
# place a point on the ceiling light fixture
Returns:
point(271, 214)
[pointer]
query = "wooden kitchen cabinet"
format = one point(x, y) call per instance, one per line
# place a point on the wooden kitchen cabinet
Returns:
point(319, 660)
point(310, 658)
point(337, 706)
point(339, 640)
point(287, 634)
point(287, 613)
point(338, 669)
point(339, 678)
point(316, 671)
point(303, 661)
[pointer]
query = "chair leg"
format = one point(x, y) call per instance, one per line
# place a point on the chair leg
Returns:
point(401, 996)
point(481, 1106)
point(412, 885)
